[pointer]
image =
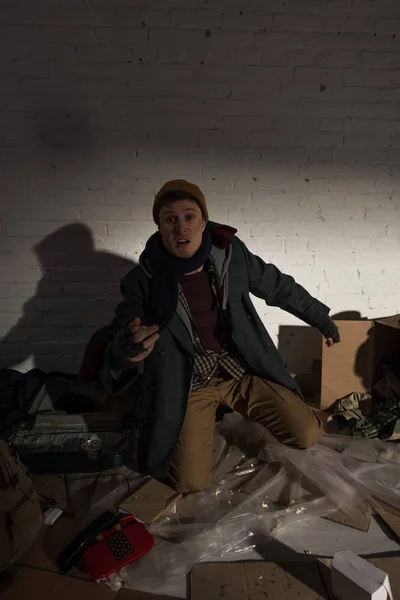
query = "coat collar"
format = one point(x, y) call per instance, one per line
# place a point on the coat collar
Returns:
point(221, 253)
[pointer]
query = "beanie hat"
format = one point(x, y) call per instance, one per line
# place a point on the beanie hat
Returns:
point(182, 188)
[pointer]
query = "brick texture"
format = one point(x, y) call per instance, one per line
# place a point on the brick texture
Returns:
point(285, 113)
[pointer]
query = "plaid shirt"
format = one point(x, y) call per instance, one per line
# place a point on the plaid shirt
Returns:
point(206, 362)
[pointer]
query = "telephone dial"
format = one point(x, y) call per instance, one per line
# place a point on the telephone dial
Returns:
point(106, 545)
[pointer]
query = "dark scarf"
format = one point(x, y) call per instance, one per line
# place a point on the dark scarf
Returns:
point(166, 270)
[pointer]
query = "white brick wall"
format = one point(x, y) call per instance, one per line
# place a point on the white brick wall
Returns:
point(286, 113)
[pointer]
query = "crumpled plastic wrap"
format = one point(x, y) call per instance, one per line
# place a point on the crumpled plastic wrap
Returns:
point(259, 486)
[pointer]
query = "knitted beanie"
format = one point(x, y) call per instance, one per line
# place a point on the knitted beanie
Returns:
point(180, 187)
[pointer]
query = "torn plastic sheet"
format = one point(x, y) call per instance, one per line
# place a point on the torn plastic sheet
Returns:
point(257, 490)
point(373, 463)
point(227, 538)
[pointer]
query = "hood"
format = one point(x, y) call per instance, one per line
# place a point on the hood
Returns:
point(221, 235)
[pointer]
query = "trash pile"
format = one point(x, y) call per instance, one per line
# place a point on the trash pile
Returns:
point(257, 489)
point(375, 415)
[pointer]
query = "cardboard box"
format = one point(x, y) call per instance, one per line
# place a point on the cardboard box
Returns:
point(387, 564)
point(353, 577)
point(151, 502)
point(351, 366)
point(299, 580)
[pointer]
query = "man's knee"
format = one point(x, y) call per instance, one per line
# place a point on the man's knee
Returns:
point(304, 438)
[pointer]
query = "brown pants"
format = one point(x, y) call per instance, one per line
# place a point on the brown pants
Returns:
point(279, 409)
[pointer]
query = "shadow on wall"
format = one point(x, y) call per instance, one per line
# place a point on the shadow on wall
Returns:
point(76, 295)
point(301, 349)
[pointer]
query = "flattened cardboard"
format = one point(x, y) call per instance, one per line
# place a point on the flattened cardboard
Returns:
point(131, 595)
point(35, 583)
point(47, 546)
point(362, 522)
point(257, 581)
point(26, 582)
point(151, 501)
point(389, 514)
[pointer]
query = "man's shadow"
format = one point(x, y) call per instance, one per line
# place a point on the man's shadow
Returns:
point(301, 349)
point(77, 295)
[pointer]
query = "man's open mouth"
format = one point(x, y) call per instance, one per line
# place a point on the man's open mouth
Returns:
point(183, 242)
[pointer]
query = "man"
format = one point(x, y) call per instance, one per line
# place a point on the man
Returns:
point(188, 327)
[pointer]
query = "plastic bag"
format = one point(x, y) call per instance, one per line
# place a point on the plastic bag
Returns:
point(231, 536)
point(259, 487)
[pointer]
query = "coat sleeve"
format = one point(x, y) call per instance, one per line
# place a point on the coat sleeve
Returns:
point(117, 374)
point(266, 281)
point(133, 299)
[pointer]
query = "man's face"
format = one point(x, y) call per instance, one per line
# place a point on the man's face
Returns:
point(181, 225)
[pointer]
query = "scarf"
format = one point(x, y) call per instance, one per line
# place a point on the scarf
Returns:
point(167, 270)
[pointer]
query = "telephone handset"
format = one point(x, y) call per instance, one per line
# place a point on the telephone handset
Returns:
point(106, 545)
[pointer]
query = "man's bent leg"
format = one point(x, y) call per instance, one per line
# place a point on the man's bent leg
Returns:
point(279, 409)
point(191, 466)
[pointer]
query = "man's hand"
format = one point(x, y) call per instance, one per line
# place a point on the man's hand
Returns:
point(133, 343)
point(330, 332)
point(146, 336)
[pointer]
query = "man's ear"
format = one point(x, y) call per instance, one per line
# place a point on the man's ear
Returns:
point(203, 226)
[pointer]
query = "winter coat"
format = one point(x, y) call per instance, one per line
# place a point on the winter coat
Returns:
point(167, 371)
